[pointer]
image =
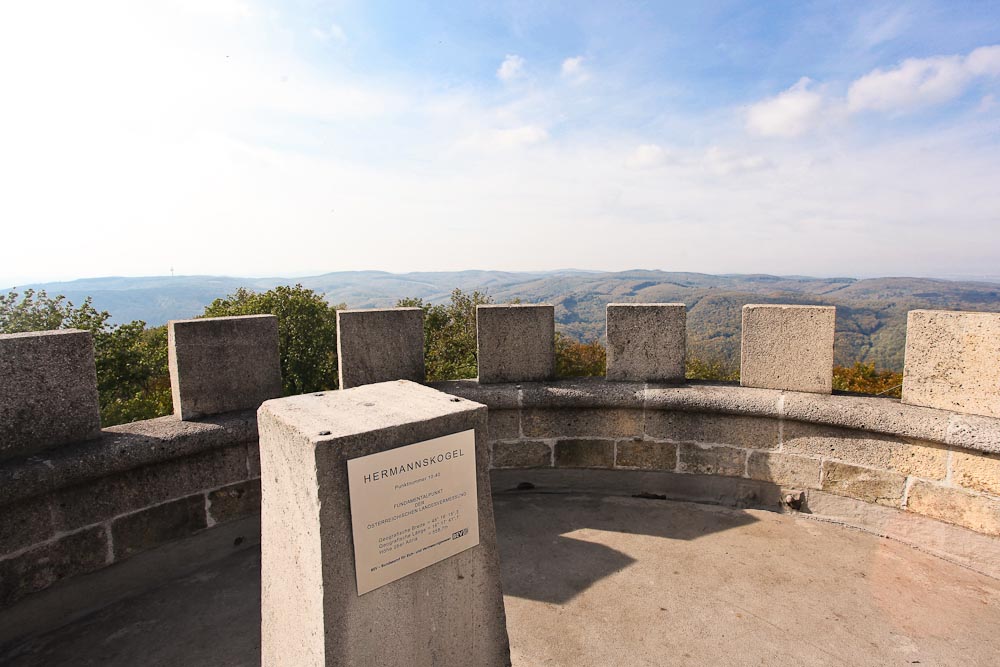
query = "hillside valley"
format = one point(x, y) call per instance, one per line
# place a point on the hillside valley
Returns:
point(871, 313)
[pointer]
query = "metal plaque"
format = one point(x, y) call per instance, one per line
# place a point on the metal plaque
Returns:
point(412, 506)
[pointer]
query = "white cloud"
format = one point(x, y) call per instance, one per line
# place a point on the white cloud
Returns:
point(648, 156)
point(511, 68)
point(922, 82)
point(916, 82)
point(574, 69)
point(984, 61)
point(788, 114)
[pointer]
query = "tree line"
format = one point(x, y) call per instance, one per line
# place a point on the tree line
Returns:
point(133, 381)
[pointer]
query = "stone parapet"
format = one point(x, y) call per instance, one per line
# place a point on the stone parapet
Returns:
point(379, 345)
point(223, 364)
point(48, 391)
point(788, 347)
point(515, 343)
point(952, 361)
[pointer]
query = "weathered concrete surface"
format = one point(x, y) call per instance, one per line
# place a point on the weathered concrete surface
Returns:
point(515, 343)
point(646, 341)
point(222, 364)
point(953, 361)
point(788, 347)
point(592, 581)
point(311, 611)
point(379, 345)
point(48, 391)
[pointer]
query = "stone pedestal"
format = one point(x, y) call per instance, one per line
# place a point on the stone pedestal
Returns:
point(449, 613)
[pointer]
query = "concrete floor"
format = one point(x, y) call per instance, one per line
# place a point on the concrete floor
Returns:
point(618, 581)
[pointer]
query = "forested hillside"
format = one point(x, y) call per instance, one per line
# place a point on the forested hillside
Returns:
point(871, 315)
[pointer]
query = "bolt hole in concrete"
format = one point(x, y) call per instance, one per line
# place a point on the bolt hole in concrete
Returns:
point(600, 581)
point(319, 394)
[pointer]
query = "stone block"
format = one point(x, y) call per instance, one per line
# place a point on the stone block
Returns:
point(788, 347)
point(863, 448)
point(446, 614)
point(646, 455)
point(379, 345)
point(222, 364)
point(725, 461)
point(952, 361)
point(976, 512)
point(712, 429)
point(25, 523)
point(584, 453)
point(646, 341)
point(872, 486)
point(48, 391)
point(234, 502)
point(784, 469)
point(515, 343)
point(46, 564)
point(522, 454)
point(503, 425)
point(979, 472)
point(157, 525)
point(116, 495)
point(569, 422)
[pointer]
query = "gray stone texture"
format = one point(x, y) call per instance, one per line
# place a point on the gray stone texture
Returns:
point(503, 425)
point(725, 461)
point(952, 361)
point(873, 450)
point(379, 345)
point(788, 347)
point(584, 453)
point(977, 512)
point(586, 422)
point(158, 525)
point(787, 470)
point(48, 563)
point(712, 429)
point(122, 448)
point(515, 343)
point(646, 341)
point(233, 502)
point(223, 364)
point(450, 613)
point(48, 391)
point(590, 392)
point(646, 455)
point(872, 486)
point(522, 454)
point(25, 523)
point(124, 493)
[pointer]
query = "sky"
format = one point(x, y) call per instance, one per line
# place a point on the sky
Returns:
point(254, 138)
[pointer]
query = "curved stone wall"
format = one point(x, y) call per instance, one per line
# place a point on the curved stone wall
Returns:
point(928, 477)
point(925, 470)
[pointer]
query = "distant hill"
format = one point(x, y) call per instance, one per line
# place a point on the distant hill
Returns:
point(871, 313)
